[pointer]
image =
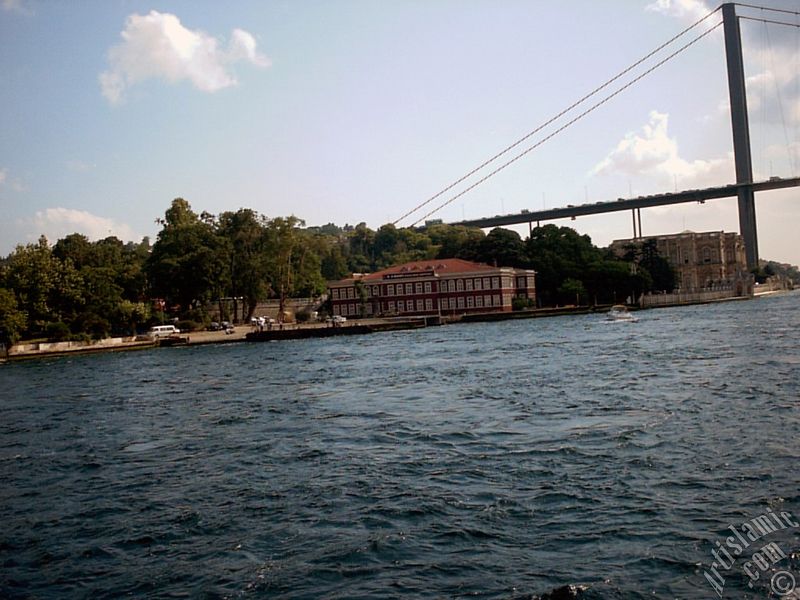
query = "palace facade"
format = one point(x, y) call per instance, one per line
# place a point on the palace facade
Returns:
point(432, 287)
point(705, 260)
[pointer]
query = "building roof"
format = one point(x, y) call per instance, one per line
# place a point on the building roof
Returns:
point(676, 236)
point(440, 267)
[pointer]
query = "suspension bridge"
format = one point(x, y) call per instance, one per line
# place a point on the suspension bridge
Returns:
point(743, 189)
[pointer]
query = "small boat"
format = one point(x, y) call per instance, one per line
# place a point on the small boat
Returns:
point(620, 312)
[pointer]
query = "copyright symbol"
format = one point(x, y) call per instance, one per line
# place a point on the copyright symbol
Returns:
point(782, 583)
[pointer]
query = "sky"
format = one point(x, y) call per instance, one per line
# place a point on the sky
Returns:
point(353, 111)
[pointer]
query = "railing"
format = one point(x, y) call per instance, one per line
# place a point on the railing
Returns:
point(694, 297)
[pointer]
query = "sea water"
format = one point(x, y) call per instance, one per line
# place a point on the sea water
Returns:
point(496, 460)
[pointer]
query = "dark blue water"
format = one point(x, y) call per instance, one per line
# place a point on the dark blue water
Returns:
point(499, 460)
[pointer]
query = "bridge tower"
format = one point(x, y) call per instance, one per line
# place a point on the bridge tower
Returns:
point(741, 132)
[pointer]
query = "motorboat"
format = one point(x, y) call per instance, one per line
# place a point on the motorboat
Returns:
point(620, 312)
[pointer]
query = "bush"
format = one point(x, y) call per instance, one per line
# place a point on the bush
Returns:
point(521, 303)
point(188, 325)
point(57, 332)
point(198, 315)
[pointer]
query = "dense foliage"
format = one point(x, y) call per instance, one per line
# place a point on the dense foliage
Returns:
point(78, 288)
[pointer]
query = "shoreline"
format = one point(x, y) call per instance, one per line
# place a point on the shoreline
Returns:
point(248, 334)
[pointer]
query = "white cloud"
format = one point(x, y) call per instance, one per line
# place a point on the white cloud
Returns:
point(158, 46)
point(15, 184)
point(653, 153)
point(15, 6)
point(693, 9)
point(55, 223)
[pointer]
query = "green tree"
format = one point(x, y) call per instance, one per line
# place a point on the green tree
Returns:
point(333, 265)
point(189, 263)
point(455, 241)
point(661, 272)
point(13, 321)
point(47, 290)
point(503, 248)
point(284, 244)
point(571, 290)
point(245, 234)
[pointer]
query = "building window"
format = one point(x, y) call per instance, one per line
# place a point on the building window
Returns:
point(409, 289)
point(428, 304)
point(392, 306)
point(486, 283)
point(376, 290)
point(470, 301)
point(401, 306)
point(487, 300)
point(479, 301)
point(418, 287)
point(452, 303)
point(468, 285)
point(427, 287)
point(706, 255)
point(336, 309)
point(459, 285)
point(497, 300)
point(390, 290)
point(335, 294)
point(369, 308)
point(495, 282)
point(478, 284)
point(420, 305)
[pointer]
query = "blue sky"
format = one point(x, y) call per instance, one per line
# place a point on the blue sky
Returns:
point(354, 111)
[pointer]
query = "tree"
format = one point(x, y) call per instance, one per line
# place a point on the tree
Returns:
point(133, 314)
point(455, 241)
point(13, 321)
point(283, 244)
point(333, 265)
point(47, 290)
point(661, 272)
point(557, 254)
point(189, 263)
point(571, 289)
point(503, 248)
point(244, 232)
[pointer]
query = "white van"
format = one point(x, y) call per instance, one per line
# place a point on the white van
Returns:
point(162, 331)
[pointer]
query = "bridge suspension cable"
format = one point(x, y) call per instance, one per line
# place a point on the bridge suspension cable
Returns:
point(572, 106)
point(769, 52)
point(565, 126)
point(767, 8)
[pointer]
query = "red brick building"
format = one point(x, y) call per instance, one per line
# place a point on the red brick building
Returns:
point(431, 287)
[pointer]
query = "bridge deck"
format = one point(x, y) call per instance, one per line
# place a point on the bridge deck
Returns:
point(727, 191)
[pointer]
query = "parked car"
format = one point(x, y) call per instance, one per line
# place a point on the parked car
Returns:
point(160, 331)
point(214, 326)
point(227, 327)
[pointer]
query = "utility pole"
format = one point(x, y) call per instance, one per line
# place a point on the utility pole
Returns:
point(741, 132)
